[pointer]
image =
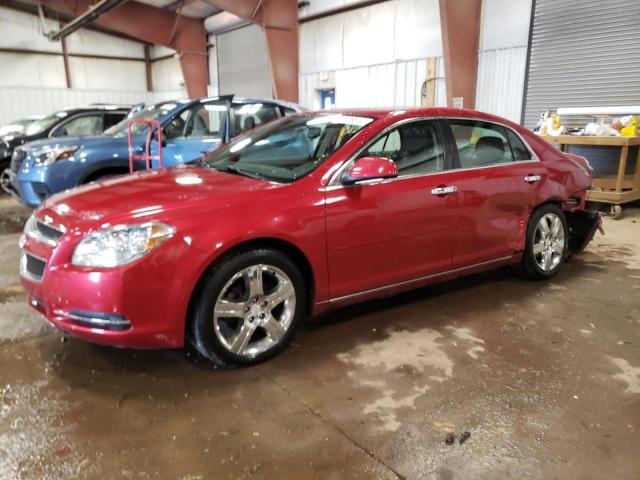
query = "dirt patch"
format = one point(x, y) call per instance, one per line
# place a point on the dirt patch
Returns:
point(12, 292)
point(13, 215)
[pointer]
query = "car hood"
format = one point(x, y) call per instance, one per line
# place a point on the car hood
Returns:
point(151, 195)
point(89, 141)
point(13, 141)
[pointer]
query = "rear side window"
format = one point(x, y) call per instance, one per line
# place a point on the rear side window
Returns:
point(519, 149)
point(480, 144)
point(249, 115)
point(286, 111)
point(113, 118)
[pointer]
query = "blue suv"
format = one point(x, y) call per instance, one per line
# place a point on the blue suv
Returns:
point(190, 128)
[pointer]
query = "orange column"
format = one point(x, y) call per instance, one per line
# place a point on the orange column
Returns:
point(279, 20)
point(460, 24)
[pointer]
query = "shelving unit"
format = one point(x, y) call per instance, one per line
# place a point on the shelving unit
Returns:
point(614, 190)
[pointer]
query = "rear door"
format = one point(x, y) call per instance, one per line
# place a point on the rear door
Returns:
point(493, 167)
point(396, 230)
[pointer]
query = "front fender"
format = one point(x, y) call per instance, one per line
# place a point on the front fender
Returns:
point(97, 166)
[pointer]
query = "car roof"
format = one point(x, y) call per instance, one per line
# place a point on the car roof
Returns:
point(98, 107)
point(415, 112)
point(234, 99)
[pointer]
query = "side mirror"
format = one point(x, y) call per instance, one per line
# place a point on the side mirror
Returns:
point(371, 168)
point(164, 137)
point(313, 132)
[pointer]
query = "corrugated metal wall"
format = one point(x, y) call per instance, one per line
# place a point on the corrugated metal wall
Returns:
point(34, 84)
point(19, 102)
point(375, 56)
point(583, 54)
point(386, 85)
point(501, 81)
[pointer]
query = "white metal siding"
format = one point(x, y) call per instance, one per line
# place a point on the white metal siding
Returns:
point(385, 85)
point(20, 102)
point(583, 54)
point(167, 74)
point(378, 34)
point(103, 74)
point(501, 82)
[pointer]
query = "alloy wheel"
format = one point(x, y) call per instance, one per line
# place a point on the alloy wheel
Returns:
point(549, 242)
point(254, 310)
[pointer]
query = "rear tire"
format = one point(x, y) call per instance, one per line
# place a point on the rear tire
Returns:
point(547, 243)
point(248, 308)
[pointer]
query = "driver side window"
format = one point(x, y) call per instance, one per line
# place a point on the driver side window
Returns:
point(175, 128)
point(415, 147)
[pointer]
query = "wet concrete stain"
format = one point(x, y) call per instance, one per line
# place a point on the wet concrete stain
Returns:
point(545, 376)
point(630, 375)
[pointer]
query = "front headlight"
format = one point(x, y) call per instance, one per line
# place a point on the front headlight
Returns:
point(120, 245)
point(47, 156)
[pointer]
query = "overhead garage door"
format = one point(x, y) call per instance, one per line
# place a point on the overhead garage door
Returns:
point(583, 53)
point(243, 63)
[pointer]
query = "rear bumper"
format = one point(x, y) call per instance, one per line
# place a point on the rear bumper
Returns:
point(582, 228)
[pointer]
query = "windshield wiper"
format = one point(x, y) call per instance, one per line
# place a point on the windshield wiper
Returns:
point(239, 171)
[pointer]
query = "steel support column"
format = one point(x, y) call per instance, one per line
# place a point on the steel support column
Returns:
point(279, 21)
point(155, 25)
point(460, 23)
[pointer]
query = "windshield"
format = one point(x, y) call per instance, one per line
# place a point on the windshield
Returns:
point(287, 149)
point(33, 125)
point(153, 112)
point(15, 128)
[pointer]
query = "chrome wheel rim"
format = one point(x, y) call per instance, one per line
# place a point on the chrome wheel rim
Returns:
point(254, 310)
point(548, 242)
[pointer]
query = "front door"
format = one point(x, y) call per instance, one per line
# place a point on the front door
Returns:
point(193, 132)
point(395, 230)
point(492, 165)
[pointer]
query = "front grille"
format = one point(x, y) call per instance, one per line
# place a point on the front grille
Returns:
point(17, 158)
point(32, 267)
point(48, 232)
point(43, 232)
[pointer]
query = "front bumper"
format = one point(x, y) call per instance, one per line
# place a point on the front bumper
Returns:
point(30, 189)
point(140, 305)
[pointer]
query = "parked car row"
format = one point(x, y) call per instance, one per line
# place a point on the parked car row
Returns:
point(82, 145)
point(294, 217)
point(79, 121)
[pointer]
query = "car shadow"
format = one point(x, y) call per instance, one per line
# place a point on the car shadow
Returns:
point(83, 365)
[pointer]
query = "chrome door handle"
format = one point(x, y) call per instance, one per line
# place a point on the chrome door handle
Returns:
point(444, 190)
point(532, 178)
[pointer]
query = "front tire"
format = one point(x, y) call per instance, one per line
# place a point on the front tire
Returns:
point(547, 243)
point(248, 308)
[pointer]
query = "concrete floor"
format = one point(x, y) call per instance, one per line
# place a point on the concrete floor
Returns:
point(544, 376)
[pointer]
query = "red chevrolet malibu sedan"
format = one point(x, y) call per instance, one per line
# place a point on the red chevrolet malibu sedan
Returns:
point(298, 216)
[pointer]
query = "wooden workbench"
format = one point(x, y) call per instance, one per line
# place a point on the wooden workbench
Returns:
point(615, 190)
